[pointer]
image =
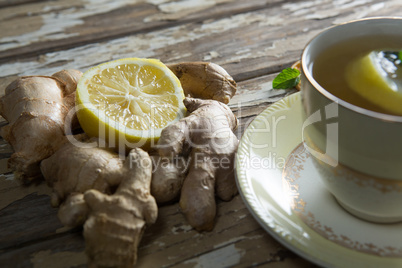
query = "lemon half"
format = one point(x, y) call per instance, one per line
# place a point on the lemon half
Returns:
point(375, 79)
point(128, 102)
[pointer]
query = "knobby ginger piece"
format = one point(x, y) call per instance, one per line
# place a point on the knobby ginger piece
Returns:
point(208, 134)
point(117, 222)
point(205, 80)
point(36, 108)
point(76, 168)
point(107, 193)
point(167, 177)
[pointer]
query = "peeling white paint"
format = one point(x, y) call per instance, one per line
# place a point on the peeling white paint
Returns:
point(223, 257)
point(233, 22)
point(8, 177)
point(329, 9)
point(287, 45)
point(242, 216)
point(323, 15)
point(56, 19)
point(151, 44)
point(174, 10)
point(230, 241)
point(361, 9)
point(156, 2)
point(341, 2)
point(238, 238)
point(377, 6)
point(178, 56)
point(277, 20)
point(355, 3)
point(278, 49)
point(181, 229)
point(264, 92)
point(239, 52)
point(300, 5)
point(141, 45)
point(211, 55)
point(160, 244)
point(184, 5)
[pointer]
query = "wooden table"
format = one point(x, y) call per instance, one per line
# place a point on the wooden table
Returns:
point(253, 40)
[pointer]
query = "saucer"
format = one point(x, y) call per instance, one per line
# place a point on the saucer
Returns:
point(283, 191)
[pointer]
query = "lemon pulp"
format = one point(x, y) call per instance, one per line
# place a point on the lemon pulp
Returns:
point(129, 101)
point(377, 77)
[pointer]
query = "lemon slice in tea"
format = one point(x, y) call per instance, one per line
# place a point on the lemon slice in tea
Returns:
point(129, 101)
point(377, 77)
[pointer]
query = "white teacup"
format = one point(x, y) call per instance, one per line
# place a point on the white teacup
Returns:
point(357, 151)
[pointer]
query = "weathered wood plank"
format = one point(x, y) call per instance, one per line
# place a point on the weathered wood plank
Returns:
point(8, 3)
point(44, 26)
point(62, 251)
point(171, 242)
point(247, 45)
point(28, 219)
point(253, 97)
point(184, 247)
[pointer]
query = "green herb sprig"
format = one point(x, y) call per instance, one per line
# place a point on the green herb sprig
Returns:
point(288, 78)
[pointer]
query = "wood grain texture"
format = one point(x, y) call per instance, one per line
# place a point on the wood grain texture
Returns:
point(171, 242)
point(55, 25)
point(253, 40)
point(8, 3)
point(248, 44)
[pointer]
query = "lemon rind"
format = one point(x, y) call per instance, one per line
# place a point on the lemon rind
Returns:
point(95, 121)
point(364, 78)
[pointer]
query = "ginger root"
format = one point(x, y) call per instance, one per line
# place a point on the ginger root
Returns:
point(35, 108)
point(76, 169)
point(109, 194)
point(206, 136)
point(205, 80)
point(114, 219)
point(117, 222)
point(167, 177)
point(73, 211)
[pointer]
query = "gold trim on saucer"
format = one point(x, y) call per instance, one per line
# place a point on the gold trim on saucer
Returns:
point(291, 174)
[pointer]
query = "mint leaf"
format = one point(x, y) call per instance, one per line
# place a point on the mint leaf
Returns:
point(286, 79)
point(400, 55)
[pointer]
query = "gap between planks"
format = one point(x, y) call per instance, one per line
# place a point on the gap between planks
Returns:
point(33, 50)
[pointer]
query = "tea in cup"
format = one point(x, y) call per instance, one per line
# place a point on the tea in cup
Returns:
point(351, 88)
